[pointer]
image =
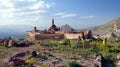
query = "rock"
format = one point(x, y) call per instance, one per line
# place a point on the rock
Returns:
point(104, 40)
point(10, 43)
point(98, 61)
point(34, 54)
point(23, 43)
point(5, 43)
point(118, 57)
point(8, 59)
point(18, 62)
point(19, 54)
point(118, 63)
point(78, 40)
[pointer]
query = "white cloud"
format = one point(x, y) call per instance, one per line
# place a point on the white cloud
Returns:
point(41, 4)
point(91, 16)
point(23, 7)
point(59, 14)
point(65, 15)
point(68, 15)
point(30, 13)
point(28, 0)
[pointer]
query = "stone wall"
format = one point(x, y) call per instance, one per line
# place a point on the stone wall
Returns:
point(49, 36)
point(72, 35)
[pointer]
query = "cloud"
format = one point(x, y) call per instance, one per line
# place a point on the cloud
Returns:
point(65, 15)
point(68, 15)
point(91, 16)
point(23, 7)
point(36, 12)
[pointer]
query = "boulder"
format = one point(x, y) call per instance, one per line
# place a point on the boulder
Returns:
point(118, 57)
point(98, 61)
point(34, 54)
point(18, 54)
point(10, 43)
point(18, 62)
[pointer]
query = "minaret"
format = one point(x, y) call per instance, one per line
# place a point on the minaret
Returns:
point(53, 22)
point(35, 28)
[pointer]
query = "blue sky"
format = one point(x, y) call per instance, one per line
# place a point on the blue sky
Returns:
point(76, 13)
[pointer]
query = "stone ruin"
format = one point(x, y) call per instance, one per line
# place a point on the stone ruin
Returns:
point(8, 42)
point(55, 33)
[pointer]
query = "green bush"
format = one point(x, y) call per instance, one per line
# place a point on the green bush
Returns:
point(73, 43)
point(104, 47)
point(73, 64)
point(30, 61)
point(65, 42)
point(43, 57)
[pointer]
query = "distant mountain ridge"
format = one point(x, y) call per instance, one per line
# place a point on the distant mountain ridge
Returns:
point(15, 31)
point(109, 30)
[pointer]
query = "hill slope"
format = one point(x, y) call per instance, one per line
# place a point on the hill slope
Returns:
point(109, 30)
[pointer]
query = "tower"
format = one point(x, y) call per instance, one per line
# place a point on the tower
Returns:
point(53, 22)
point(35, 28)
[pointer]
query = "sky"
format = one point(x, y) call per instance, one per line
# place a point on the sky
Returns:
point(77, 13)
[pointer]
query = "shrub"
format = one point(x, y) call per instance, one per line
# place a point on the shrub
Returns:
point(43, 57)
point(73, 64)
point(73, 43)
point(44, 65)
point(65, 42)
point(104, 47)
point(30, 61)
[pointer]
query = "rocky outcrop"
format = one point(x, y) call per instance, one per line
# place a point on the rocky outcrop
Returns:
point(17, 59)
point(109, 30)
point(118, 59)
point(8, 42)
point(98, 61)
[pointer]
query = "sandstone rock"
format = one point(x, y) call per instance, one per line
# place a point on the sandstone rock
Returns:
point(10, 43)
point(118, 63)
point(5, 43)
point(104, 40)
point(118, 57)
point(78, 40)
point(98, 61)
point(18, 62)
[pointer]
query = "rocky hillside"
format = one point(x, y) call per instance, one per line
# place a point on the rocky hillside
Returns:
point(109, 30)
point(66, 28)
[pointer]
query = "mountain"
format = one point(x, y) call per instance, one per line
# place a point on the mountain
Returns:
point(15, 31)
point(109, 30)
point(66, 28)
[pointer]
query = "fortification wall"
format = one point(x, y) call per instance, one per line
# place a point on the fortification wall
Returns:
point(49, 36)
point(72, 36)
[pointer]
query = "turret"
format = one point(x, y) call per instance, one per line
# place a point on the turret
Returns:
point(53, 22)
point(35, 28)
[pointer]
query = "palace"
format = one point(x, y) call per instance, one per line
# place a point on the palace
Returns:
point(55, 33)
